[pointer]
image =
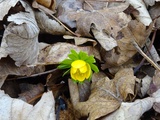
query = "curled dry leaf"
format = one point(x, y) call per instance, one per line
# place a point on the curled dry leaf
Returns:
point(55, 53)
point(20, 39)
point(5, 6)
point(125, 50)
point(66, 8)
point(14, 108)
point(154, 12)
point(146, 81)
point(106, 41)
point(131, 111)
point(111, 20)
point(106, 95)
point(49, 25)
point(143, 16)
point(134, 110)
point(51, 4)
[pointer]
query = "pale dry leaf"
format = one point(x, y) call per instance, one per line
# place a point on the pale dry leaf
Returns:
point(153, 52)
point(104, 92)
point(48, 25)
point(125, 83)
point(20, 39)
point(7, 67)
point(106, 41)
point(154, 12)
point(59, 51)
point(146, 81)
point(5, 6)
point(131, 111)
point(50, 4)
point(156, 79)
point(80, 40)
point(149, 2)
point(143, 15)
point(111, 20)
point(125, 50)
point(66, 8)
point(16, 109)
point(134, 110)
point(102, 100)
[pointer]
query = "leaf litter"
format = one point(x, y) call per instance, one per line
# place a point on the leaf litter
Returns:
point(37, 35)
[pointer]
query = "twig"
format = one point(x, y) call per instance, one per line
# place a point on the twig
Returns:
point(141, 52)
point(148, 51)
point(49, 12)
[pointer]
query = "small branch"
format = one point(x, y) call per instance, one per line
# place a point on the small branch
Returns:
point(141, 52)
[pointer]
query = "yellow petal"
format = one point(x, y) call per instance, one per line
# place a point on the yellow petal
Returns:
point(83, 69)
point(88, 73)
point(78, 63)
point(73, 70)
point(80, 76)
point(73, 76)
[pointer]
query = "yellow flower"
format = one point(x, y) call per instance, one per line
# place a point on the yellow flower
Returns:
point(80, 70)
point(80, 66)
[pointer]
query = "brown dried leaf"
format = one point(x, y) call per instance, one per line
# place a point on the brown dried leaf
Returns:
point(5, 6)
point(20, 39)
point(100, 102)
point(156, 79)
point(111, 20)
point(104, 92)
point(49, 25)
point(154, 12)
point(125, 50)
point(50, 4)
point(29, 91)
point(16, 109)
point(55, 53)
point(125, 83)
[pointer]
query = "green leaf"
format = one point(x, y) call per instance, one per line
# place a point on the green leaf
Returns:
point(63, 66)
point(67, 61)
point(73, 57)
point(66, 72)
point(83, 55)
point(94, 68)
point(90, 59)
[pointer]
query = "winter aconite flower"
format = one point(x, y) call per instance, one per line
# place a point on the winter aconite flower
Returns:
point(80, 66)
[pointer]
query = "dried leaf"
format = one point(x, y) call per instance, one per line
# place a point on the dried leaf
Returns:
point(111, 20)
point(51, 4)
point(156, 79)
point(59, 51)
point(29, 91)
point(5, 6)
point(80, 40)
point(125, 49)
point(131, 111)
point(104, 92)
point(143, 16)
point(107, 42)
point(125, 83)
point(14, 108)
point(154, 12)
point(134, 110)
point(49, 25)
point(146, 81)
point(20, 39)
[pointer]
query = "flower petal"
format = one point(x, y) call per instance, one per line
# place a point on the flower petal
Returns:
point(83, 69)
point(78, 63)
point(89, 71)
